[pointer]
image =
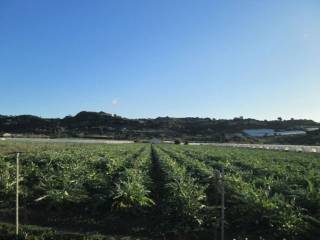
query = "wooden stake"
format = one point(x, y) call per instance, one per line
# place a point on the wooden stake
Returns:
point(222, 203)
point(17, 195)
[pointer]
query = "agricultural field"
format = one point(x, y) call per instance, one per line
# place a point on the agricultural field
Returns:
point(143, 191)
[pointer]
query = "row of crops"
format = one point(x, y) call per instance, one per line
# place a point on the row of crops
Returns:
point(162, 191)
point(91, 188)
point(271, 194)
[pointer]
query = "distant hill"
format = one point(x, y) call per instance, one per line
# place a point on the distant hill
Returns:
point(104, 125)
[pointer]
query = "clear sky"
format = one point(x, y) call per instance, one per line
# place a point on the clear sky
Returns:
point(149, 58)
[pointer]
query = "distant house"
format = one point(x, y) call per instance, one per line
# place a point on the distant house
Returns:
point(270, 132)
point(291, 132)
point(7, 135)
point(259, 132)
point(155, 141)
point(312, 129)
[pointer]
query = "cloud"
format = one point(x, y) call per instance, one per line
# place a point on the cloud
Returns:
point(115, 102)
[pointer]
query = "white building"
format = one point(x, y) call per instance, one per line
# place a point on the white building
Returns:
point(259, 132)
point(7, 135)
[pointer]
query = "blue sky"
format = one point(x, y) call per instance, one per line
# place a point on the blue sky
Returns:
point(149, 58)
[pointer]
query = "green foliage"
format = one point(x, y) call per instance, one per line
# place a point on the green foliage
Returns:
point(164, 190)
point(7, 232)
point(132, 188)
point(272, 194)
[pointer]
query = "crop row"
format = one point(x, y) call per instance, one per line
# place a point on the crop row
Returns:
point(269, 194)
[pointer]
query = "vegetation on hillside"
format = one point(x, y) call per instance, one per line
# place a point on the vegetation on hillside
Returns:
point(103, 125)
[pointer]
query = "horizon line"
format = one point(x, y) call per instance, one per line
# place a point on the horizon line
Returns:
point(174, 117)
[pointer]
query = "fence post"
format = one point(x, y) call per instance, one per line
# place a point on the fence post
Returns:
point(17, 194)
point(215, 233)
point(222, 203)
